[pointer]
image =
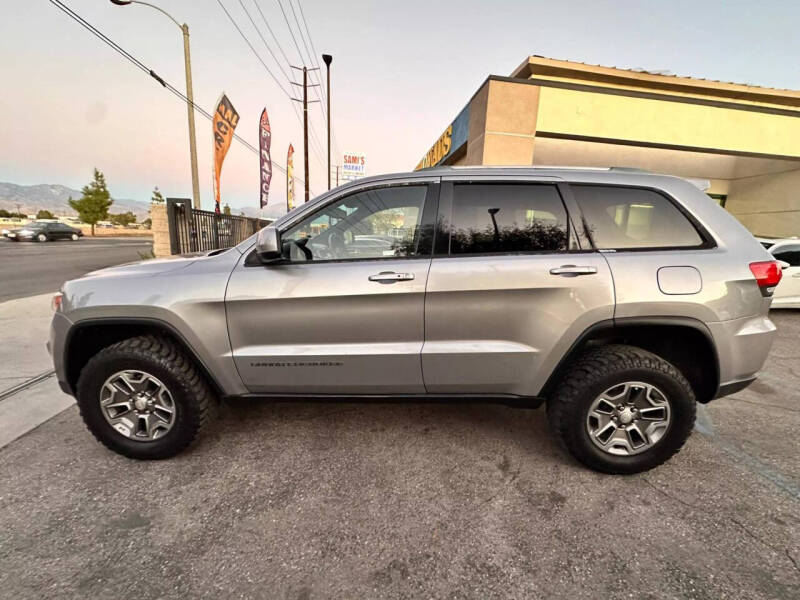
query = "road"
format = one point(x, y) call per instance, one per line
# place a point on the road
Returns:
point(324, 500)
point(30, 268)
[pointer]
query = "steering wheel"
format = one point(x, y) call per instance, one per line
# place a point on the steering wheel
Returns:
point(336, 244)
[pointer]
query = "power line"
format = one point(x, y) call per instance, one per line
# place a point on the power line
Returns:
point(140, 65)
point(303, 61)
point(319, 72)
point(316, 151)
point(272, 33)
point(291, 32)
point(300, 31)
point(258, 31)
point(244, 37)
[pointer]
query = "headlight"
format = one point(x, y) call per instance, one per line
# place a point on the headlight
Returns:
point(57, 300)
point(4, 232)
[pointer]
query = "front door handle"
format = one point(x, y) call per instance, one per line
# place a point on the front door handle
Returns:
point(573, 270)
point(391, 277)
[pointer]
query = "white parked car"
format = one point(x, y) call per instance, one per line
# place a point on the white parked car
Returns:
point(787, 293)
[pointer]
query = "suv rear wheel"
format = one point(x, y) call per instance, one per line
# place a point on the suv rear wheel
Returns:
point(621, 409)
point(144, 398)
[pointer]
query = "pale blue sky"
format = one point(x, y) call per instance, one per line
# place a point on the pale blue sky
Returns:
point(401, 72)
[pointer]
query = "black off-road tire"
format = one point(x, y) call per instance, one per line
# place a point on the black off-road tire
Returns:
point(195, 402)
point(596, 371)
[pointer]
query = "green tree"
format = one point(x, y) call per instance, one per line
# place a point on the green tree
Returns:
point(226, 210)
point(44, 214)
point(123, 219)
point(94, 202)
point(148, 223)
point(4, 214)
point(157, 197)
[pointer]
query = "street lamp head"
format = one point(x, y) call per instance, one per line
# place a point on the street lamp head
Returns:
point(325, 57)
point(121, 2)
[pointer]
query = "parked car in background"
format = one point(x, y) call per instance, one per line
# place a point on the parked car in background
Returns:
point(787, 293)
point(41, 231)
point(769, 242)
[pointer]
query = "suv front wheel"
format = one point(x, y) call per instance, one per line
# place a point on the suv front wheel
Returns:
point(144, 398)
point(620, 409)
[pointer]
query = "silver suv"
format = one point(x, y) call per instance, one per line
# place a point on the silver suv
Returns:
point(618, 298)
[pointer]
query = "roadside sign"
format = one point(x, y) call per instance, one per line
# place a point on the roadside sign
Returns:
point(354, 166)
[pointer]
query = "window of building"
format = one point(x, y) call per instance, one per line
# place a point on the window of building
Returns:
point(624, 217)
point(789, 254)
point(380, 223)
point(492, 218)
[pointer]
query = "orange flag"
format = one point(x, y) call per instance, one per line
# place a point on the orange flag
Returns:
point(225, 120)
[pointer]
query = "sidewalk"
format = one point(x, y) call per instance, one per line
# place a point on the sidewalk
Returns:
point(24, 328)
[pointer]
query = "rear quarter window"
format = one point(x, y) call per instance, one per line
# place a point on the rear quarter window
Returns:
point(620, 218)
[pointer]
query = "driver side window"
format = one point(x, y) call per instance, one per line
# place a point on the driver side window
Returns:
point(379, 223)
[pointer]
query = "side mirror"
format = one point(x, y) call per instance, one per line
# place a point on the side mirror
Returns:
point(783, 264)
point(268, 246)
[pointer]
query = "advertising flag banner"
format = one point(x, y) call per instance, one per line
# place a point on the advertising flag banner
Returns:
point(290, 179)
point(225, 120)
point(265, 139)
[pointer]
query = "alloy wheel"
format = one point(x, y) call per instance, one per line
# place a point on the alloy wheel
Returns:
point(628, 418)
point(137, 405)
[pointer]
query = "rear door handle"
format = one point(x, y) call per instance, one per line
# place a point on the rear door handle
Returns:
point(573, 270)
point(391, 277)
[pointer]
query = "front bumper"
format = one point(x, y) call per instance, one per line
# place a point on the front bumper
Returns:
point(56, 345)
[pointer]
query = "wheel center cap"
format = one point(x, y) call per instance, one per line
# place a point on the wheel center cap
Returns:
point(625, 416)
point(140, 403)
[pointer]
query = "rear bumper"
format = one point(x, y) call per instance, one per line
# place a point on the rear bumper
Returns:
point(742, 346)
point(733, 387)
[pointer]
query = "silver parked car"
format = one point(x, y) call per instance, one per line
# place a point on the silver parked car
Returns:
point(618, 298)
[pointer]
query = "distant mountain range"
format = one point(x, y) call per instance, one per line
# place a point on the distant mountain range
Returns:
point(53, 197)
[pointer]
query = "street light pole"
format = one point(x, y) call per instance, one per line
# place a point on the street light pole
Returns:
point(190, 110)
point(187, 63)
point(328, 60)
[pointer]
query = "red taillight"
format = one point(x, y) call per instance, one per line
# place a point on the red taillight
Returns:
point(767, 274)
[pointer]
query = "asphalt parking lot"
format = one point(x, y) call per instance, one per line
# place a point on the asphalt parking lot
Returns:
point(30, 268)
point(314, 500)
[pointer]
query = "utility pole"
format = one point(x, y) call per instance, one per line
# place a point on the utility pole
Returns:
point(337, 175)
point(305, 124)
point(328, 59)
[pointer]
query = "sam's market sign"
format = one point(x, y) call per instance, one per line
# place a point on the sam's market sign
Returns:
point(451, 140)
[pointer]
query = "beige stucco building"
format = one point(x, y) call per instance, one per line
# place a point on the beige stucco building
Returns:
point(744, 140)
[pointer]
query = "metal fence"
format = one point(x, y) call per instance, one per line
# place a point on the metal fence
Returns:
point(195, 230)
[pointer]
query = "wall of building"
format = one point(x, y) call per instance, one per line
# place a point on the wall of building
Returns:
point(767, 204)
point(160, 229)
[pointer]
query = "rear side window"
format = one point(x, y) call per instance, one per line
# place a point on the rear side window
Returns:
point(789, 254)
point(507, 218)
point(622, 217)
